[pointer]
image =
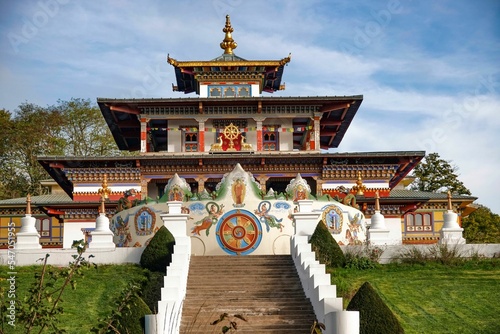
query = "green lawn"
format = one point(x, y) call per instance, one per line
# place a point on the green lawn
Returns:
point(93, 298)
point(434, 298)
point(427, 299)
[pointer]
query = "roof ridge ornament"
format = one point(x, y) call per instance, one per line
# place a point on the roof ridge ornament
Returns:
point(228, 44)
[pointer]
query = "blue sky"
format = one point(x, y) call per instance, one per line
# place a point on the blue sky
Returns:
point(429, 70)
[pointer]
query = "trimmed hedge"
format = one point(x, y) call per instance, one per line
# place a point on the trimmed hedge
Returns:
point(158, 253)
point(374, 315)
point(326, 248)
point(151, 290)
point(132, 319)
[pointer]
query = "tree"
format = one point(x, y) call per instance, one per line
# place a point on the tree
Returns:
point(70, 128)
point(482, 226)
point(84, 129)
point(437, 175)
point(31, 132)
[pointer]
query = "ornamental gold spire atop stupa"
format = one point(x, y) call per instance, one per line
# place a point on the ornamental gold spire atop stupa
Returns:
point(228, 44)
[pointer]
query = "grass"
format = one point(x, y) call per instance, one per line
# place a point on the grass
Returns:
point(433, 298)
point(93, 298)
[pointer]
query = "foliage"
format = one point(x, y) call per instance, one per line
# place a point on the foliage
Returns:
point(41, 309)
point(151, 290)
point(434, 298)
point(482, 226)
point(317, 327)
point(437, 175)
point(231, 324)
point(364, 257)
point(72, 128)
point(21, 172)
point(438, 253)
point(84, 130)
point(127, 315)
point(158, 253)
point(375, 316)
point(326, 248)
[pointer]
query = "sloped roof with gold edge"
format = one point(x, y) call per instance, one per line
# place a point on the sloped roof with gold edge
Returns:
point(228, 66)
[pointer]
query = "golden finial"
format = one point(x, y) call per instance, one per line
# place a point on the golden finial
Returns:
point(28, 204)
point(102, 207)
point(377, 201)
point(360, 187)
point(450, 207)
point(105, 191)
point(228, 44)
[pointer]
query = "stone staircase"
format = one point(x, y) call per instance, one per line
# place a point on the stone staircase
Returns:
point(265, 289)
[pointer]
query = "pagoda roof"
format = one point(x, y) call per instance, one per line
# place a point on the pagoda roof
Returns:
point(59, 167)
point(228, 66)
point(336, 114)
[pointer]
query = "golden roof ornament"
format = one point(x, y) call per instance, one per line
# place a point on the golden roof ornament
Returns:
point(228, 44)
point(28, 204)
point(105, 191)
point(359, 187)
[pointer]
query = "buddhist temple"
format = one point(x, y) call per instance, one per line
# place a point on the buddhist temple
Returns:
point(239, 160)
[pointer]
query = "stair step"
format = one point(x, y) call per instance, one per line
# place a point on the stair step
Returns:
point(266, 290)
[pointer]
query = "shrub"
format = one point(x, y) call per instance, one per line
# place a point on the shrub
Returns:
point(412, 255)
point(151, 290)
point(326, 248)
point(132, 319)
point(158, 254)
point(374, 315)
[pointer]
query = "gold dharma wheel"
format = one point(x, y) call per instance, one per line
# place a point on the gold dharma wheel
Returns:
point(231, 132)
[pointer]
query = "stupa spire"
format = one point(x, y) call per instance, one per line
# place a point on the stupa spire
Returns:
point(228, 44)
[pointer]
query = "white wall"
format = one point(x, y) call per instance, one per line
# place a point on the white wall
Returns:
point(61, 257)
point(73, 231)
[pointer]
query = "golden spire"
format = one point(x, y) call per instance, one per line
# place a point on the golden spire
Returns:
point(228, 44)
point(377, 201)
point(359, 187)
point(450, 206)
point(105, 190)
point(28, 204)
point(102, 208)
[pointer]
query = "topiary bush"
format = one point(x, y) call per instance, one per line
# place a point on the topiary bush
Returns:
point(131, 320)
point(374, 315)
point(326, 248)
point(158, 254)
point(151, 289)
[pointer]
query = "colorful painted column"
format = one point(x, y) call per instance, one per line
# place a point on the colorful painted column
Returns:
point(144, 135)
point(259, 133)
point(201, 134)
point(315, 133)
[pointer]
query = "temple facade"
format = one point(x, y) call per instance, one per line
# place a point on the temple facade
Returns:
point(240, 162)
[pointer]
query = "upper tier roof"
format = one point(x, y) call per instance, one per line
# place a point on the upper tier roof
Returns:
point(336, 112)
point(228, 66)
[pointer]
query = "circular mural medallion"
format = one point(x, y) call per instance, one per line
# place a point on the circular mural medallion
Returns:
point(333, 219)
point(239, 232)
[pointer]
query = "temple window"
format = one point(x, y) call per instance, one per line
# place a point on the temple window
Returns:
point(229, 92)
point(243, 91)
point(43, 227)
point(190, 141)
point(270, 140)
point(215, 92)
point(419, 222)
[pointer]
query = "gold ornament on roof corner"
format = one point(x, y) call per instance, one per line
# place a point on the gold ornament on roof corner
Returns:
point(105, 191)
point(359, 187)
point(228, 44)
